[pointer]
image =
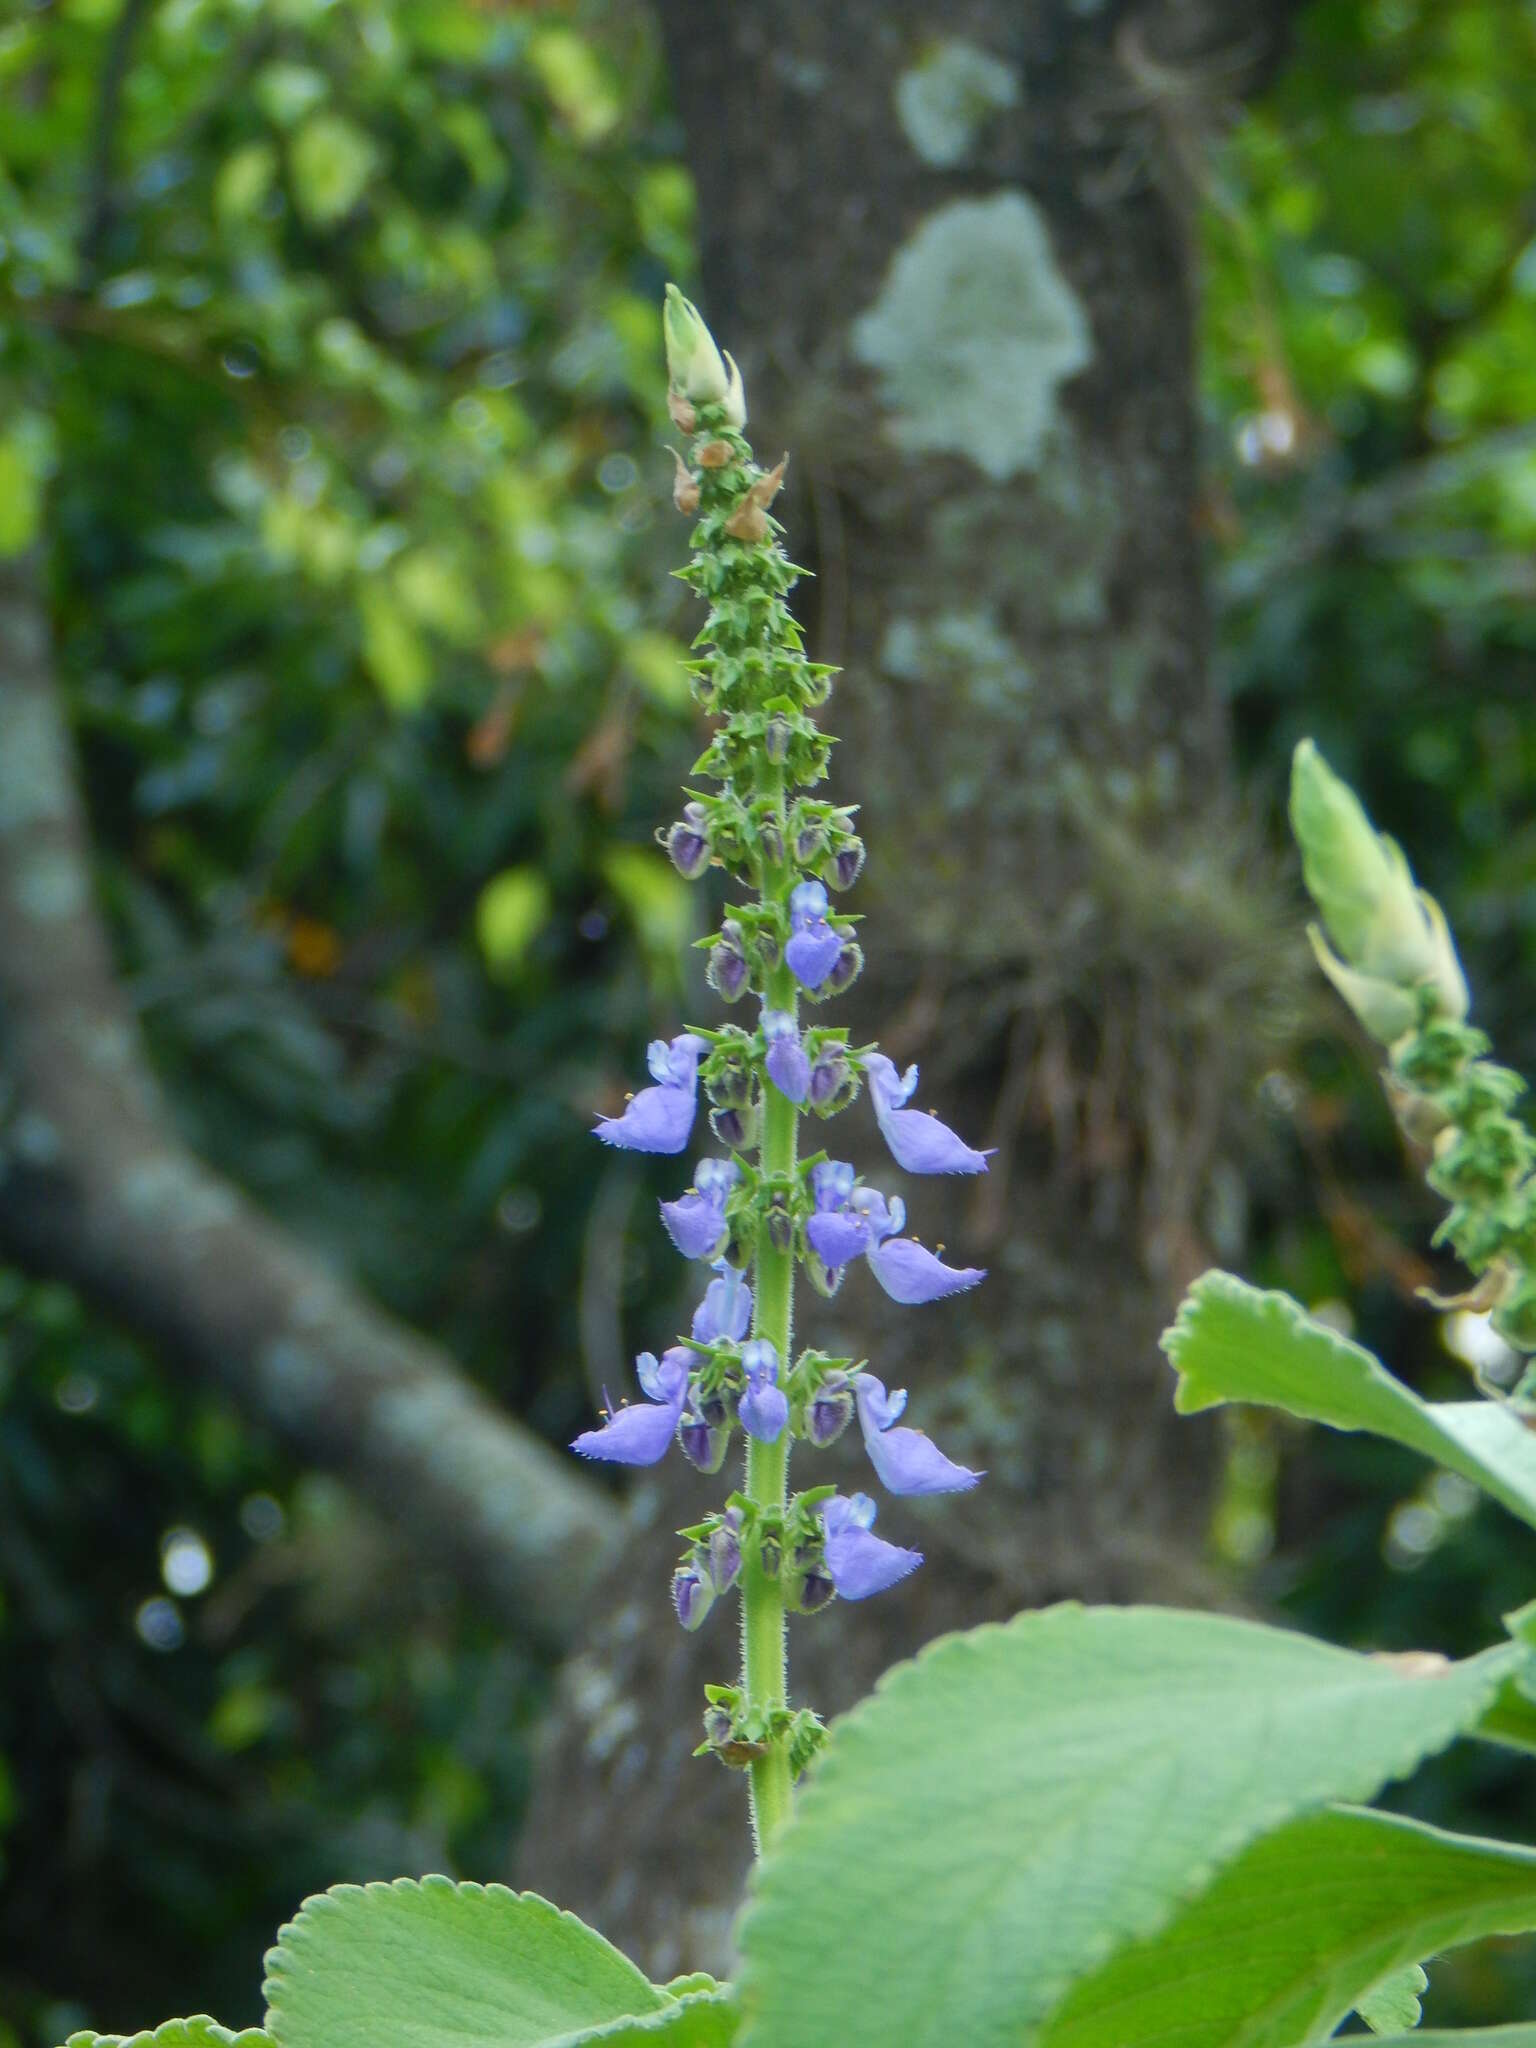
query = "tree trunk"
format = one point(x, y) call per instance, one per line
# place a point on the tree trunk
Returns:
point(958, 276)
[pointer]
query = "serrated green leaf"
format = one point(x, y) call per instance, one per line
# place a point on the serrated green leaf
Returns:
point(1329, 1914)
point(1018, 1801)
point(1477, 2037)
point(704, 2020)
point(1233, 1342)
point(436, 1964)
point(197, 2031)
point(1394, 2004)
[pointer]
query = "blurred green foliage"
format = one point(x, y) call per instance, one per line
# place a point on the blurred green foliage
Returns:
point(328, 376)
point(1370, 378)
point(329, 379)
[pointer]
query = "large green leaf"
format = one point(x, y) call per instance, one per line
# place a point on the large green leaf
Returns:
point(1017, 1802)
point(1293, 1935)
point(445, 1965)
point(198, 2031)
point(1233, 1342)
point(1479, 2037)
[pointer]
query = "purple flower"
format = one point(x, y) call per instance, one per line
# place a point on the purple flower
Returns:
point(835, 1232)
point(726, 971)
point(725, 1313)
point(813, 945)
point(919, 1143)
point(702, 1443)
point(908, 1271)
point(860, 1563)
point(789, 1068)
point(640, 1435)
point(905, 1460)
point(764, 1406)
point(688, 842)
point(829, 1411)
point(659, 1119)
point(696, 1221)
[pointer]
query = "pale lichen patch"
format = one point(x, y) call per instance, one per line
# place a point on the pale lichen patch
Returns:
point(945, 100)
point(973, 332)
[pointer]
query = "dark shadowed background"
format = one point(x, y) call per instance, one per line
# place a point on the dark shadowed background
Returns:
point(1158, 380)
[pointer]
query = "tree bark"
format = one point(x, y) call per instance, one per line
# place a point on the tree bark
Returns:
point(957, 270)
point(96, 1190)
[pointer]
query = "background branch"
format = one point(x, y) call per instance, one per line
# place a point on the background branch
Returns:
point(96, 1190)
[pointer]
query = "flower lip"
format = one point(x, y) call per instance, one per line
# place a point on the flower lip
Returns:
point(860, 1562)
point(660, 1119)
point(919, 1143)
point(639, 1435)
point(905, 1460)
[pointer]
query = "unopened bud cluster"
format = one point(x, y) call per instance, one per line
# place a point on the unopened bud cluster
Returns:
point(1396, 967)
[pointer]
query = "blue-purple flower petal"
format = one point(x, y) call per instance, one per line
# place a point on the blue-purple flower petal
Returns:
point(910, 1273)
point(640, 1435)
point(789, 1069)
point(725, 1313)
point(905, 1460)
point(811, 955)
point(696, 1225)
point(836, 1239)
point(764, 1412)
point(917, 1142)
point(860, 1562)
point(660, 1119)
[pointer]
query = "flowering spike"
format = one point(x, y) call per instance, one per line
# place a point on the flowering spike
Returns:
point(759, 1213)
point(1391, 936)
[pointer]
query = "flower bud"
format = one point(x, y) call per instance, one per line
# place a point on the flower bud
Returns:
point(725, 1552)
point(736, 1128)
point(810, 842)
point(1386, 929)
point(688, 842)
point(692, 1593)
point(830, 1075)
point(728, 1080)
point(781, 1224)
point(718, 1725)
point(846, 864)
point(700, 1444)
point(777, 734)
point(829, 1411)
point(726, 972)
point(770, 1552)
point(766, 949)
point(846, 969)
point(695, 369)
point(771, 840)
point(825, 1279)
point(808, 1584)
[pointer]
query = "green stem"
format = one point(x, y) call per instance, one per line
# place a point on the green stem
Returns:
point(763, 1629)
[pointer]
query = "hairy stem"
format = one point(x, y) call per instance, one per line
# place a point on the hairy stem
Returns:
point(763, 1629)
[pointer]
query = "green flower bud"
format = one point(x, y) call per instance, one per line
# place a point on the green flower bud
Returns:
point(695, 367)
point(1390, 935)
